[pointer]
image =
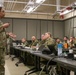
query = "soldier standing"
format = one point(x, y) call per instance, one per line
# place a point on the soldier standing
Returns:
point(2, 42)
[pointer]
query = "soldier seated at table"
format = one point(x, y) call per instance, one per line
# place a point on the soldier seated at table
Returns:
point(57, 42)
point(72, 42)
point(49, 40)
point(24, 42)
point(34, 42)
point(42, 40)
point(65, 42)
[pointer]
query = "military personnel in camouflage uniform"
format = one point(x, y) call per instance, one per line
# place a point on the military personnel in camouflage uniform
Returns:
point(42, 40)
point(71, 42)
point(49, 39)
point(34, 42)
point(2, 42)
point(24, 42)
point(12, 38)
point(57, 42)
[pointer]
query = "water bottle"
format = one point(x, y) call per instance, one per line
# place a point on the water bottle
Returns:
point(60, 49)
point(37, 46)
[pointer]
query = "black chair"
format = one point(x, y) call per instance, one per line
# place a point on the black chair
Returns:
point(15, 52)
point(49, 66)
point(22, 54)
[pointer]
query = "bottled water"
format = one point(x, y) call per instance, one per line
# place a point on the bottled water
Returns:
point(60, 49)
point(37, 46)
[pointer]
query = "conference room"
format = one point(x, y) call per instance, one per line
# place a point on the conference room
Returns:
point(40, 37)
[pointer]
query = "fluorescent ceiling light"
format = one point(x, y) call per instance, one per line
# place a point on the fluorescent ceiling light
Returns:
point(75, 3)
point(66, 12)
point(39, 1)
point(1, 3)
point(30, 9)
point(32, 6)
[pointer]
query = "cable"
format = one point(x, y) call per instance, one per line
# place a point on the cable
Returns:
point(52, 60)
point(49, 62)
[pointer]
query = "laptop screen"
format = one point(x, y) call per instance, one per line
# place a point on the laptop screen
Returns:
point(52, 49)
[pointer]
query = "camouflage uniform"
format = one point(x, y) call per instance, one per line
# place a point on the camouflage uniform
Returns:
point(31, 57)
point(25, 44)
point(8, 44)
point(49, 41)
point(34, 43)
point(2, 49)
point(71, 44)
point(41, 42)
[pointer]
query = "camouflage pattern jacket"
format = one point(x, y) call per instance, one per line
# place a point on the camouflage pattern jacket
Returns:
point(2, 36)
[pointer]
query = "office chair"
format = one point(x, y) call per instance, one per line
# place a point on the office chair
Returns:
point(15, 52)
point(50, 67)
point(21, 59)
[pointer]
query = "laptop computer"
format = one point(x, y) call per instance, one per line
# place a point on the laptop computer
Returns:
point(40, 49)
point(52, 49)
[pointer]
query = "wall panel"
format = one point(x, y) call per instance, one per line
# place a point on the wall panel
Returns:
point(75, 22)
point(31, 28)
point(67, 28)
point(38, 34)
point(19, 28)
point(9, 29)
point(50, 27)
point(44, 26)
point(72, 26)
point(58, 29)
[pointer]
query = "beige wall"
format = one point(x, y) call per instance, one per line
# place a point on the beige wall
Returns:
point(32, 16)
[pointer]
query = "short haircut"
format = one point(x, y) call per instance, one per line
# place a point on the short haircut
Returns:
point(66, 37)
point(49, 33)
point(2, 9)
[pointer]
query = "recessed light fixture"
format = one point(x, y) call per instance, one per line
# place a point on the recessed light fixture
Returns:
point(1, 3)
